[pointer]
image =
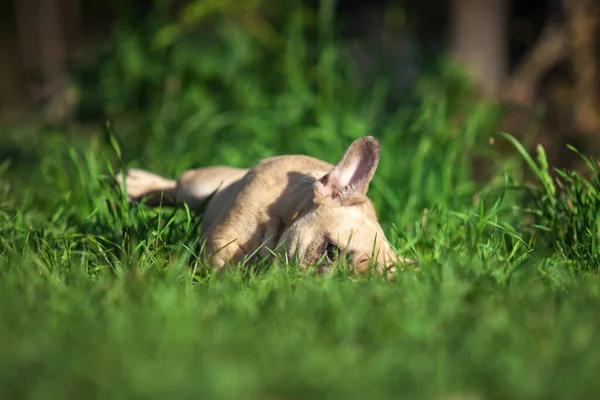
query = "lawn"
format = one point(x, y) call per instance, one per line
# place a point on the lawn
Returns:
point(98, 299)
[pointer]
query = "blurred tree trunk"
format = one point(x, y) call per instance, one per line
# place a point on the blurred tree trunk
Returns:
point(582, 28)
point(42, 44)
point(479, 40)
point(44, 27)
point(13, 100)
point(549, 49)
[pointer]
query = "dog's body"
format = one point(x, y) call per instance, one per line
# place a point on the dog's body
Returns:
point(293, 205)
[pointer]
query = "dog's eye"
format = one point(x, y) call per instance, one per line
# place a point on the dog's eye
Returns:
point(331, 251)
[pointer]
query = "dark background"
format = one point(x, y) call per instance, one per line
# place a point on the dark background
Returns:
point(539, 59)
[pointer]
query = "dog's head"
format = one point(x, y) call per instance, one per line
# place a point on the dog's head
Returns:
point(342, 222)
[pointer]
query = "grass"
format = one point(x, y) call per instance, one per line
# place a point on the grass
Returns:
point(97, 297)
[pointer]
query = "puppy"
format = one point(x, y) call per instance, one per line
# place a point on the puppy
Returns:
point(294, 206)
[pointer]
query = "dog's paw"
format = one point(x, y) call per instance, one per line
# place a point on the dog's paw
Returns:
point(138, 183)
point(408, 263)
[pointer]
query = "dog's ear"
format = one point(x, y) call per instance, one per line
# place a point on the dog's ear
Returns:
point(352, 174)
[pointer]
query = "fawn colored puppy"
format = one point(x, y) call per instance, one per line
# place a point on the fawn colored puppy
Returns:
point(295, 206)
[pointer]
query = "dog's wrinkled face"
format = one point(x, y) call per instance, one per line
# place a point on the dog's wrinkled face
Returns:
point(327, 234)
point(343, 223)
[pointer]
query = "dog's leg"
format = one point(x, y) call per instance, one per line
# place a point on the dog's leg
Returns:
point(222, 252)
point(191, 188)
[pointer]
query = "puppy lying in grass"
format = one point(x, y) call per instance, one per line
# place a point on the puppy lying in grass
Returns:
point(294, 206)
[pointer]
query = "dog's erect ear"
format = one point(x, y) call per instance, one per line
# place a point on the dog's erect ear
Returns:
point(353, 172)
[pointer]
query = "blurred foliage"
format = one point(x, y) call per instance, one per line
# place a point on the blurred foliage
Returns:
point(221, 85)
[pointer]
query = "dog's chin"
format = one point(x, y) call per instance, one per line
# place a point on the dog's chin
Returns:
point(301, 257)
point(305, 262)
point(293, 244)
